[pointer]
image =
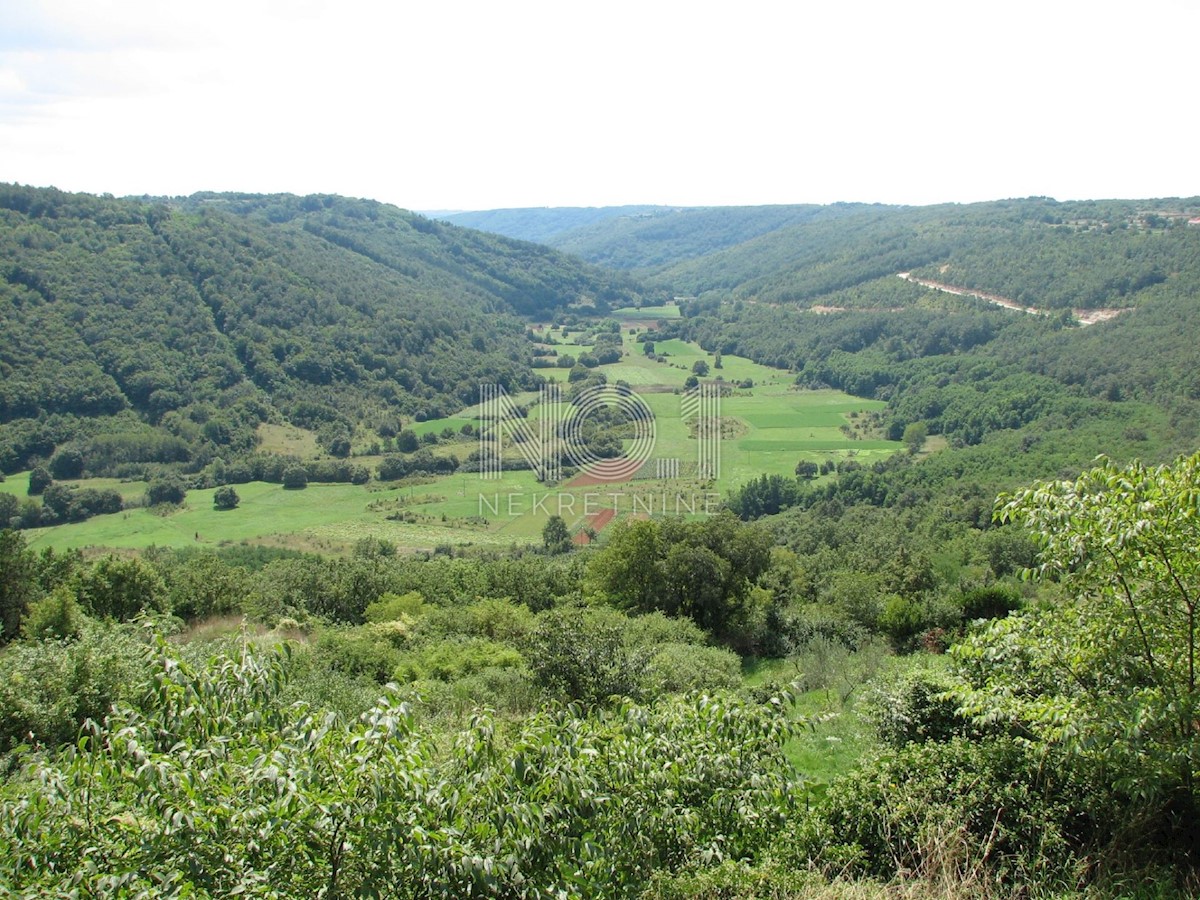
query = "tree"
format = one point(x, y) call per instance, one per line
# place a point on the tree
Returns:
point(555, 536)
point(295, 477)
point(226, 498)
point(700, 367)
point(168, 489)
point(17, 587)
point(67, 464)
point(1109, 673)
point(914, 436)
point(121, 588)
point(39, 480)
point(407, 441)
point(807, 469)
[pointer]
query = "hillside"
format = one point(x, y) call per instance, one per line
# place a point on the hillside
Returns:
point(1037, 252)
point(545, 224)
point(172, 328)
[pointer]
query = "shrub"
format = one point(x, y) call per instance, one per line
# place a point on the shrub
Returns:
point(914, 708)
point(121, 589)
point(167, 489)
point(960, 806)
point(48, 688)
point(55, 617)
point(39, 480)
point(226, 498)
point(679, 668)
point(295, 477)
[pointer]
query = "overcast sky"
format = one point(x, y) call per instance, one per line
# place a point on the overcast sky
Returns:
point(475, 105)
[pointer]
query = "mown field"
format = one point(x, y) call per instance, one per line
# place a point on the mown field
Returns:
point(767, 428)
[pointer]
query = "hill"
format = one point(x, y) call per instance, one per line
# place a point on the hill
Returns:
point(545, 224)
point(168, 330)
point(1034, 252)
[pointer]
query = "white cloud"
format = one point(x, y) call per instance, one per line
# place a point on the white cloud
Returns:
point(472, 104)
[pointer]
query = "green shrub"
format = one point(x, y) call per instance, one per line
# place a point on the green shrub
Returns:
point(358, 651)
point(451, 659)
point(121, 589)
point(56, 617)
point(913, 708)
point(949, 808)
point(678, 668)
point(48, 688)
point(395, 608)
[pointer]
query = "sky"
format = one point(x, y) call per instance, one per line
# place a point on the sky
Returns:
point(478, 105)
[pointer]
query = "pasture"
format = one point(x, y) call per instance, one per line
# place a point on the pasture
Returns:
point(767, 428)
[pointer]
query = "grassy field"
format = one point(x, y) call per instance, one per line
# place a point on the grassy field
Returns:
point(767, 428)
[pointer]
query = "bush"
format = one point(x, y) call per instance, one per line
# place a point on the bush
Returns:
point(226, 498)
point(454, 658)
point(992, 602)
point(295, 478)
point(168, 489)
point(39, 480)
point(914, 708)
point(56, 617)
point(48, 688)
point(121, 589)
point(579, 654)
point(67, 464)
point(953, 809)
point(359, 651)
point(395, 608)
point(679, 668)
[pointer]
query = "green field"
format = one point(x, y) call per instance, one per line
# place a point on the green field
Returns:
point(766, 429)
point(646, 312)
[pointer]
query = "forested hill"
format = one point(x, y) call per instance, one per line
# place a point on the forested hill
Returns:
point(545, 224)
point(180, 322)
point(1037, 251)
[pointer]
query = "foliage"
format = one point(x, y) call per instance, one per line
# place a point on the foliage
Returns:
point(226, 498)
point(121, 589)
point(49, 687)
point(295, 477)
point(555, 536)
point(217, 786)
point(703, 570)
point(169, 489)
point(57, 616)
point(957, 805)
point(17, 587)
point(1109, 674)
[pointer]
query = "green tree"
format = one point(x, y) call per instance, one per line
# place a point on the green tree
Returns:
point(121, 589)
point(67, 464)
point(1109, 673)
point(168, 489)
point(807, 469)
point(914, 436)
point(39, 480)
point(295, 477)
point(17, 586)
point(556, 538)
point(226, 497)
point(700, 368)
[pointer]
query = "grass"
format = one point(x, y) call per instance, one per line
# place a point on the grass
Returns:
point(287, 440)
point(641, 313)
point(769, 428)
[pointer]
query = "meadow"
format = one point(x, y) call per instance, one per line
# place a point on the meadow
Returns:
point(767, 428)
